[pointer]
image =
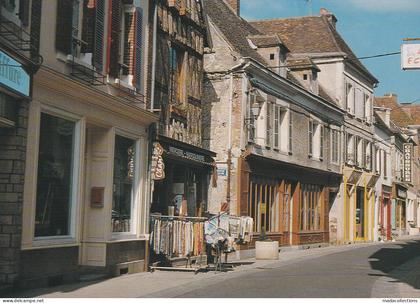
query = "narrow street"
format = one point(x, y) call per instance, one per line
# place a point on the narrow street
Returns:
point(351, 271)
point(347, 274)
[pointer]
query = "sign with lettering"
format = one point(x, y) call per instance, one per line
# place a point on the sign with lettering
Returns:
point(410, 56)
point(408, 150)
point(158, 166)
point(186, 154)
point(13, 76)
point(222, 172)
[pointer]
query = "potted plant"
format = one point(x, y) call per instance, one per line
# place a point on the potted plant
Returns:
point(265, 248)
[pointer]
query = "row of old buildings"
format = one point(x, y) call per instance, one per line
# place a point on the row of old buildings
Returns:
point(113, 111)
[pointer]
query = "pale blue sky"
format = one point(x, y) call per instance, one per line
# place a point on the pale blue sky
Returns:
point(370, 27)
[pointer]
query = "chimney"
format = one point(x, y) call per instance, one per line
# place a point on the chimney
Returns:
point(235, 5)
point(330, 16)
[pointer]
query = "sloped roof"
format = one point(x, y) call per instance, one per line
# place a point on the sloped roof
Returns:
point(313, 34)
point(265, 40)
point(233, 27)
point(301, 63)
point(398, 115)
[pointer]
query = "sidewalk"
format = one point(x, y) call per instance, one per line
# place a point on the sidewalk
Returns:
point(170, 284)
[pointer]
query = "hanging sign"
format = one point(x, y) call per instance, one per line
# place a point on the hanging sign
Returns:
point(158, 166)
point(408, 149)
point(13, 76)
point(410, 56)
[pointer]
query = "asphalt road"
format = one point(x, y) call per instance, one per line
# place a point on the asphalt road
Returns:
point(347, 274)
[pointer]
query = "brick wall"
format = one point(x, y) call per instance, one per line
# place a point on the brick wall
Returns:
point(12, 168)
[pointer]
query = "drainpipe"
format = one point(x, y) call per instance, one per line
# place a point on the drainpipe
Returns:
point(229, 154)
point(152, 98)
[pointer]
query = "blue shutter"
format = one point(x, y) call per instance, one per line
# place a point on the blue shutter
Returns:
point(139, 50)
point(99, 35)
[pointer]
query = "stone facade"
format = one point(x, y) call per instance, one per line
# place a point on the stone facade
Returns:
point(12, 170)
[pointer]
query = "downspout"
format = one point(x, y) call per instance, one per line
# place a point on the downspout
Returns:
point(152, 97)
point(229, 154)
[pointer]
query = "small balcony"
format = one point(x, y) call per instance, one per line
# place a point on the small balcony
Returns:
point(19, 41)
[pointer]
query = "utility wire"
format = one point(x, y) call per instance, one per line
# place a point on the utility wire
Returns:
point(332, 62)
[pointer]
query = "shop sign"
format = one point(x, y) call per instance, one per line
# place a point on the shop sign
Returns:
point(13, 76)
point(186, 154)
point(410, 56)
point(408, 148)
point(158, 166)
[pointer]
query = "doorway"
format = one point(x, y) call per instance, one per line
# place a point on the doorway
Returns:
point(360, 214)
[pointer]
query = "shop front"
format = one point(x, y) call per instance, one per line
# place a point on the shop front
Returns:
point(188, 173)
point(359, 205)
point(290, 203)
point(399, 211)
point(86, 183)
point(385, 226)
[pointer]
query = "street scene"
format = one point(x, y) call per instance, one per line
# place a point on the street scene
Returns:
point(209, 149)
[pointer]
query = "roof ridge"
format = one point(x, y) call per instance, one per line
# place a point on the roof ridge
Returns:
point(282, 19)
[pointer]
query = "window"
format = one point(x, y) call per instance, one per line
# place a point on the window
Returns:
point(123, 186)
point(55, 177)
point(368, 155)
point(305, 76)
point(335, 146)
point(263, 204)
point(177, 75)
point(378, 161)
point(350, 98)
point(351, 149)
point(359, 104)
point(385, 164)
point(310, 207)
point(278, 127)
point(316, 134)
point(271, 56)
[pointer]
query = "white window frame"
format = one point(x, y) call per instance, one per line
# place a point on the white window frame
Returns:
point(137, 193)
point(75, 182)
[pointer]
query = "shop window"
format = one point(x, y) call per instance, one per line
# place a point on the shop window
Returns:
point(123, 186)
point(335, 146)
point(263, 205)
point(54, 182)
point(310, 207)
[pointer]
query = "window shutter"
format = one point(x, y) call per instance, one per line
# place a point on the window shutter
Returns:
point(310, 137)
point(321, 142)
point(290, 131)
point(63, 34)
point(88, 26)
point(24, 12)
point(138, 70)
point(35, 27)
point(129, 40)
point(269, 126)
point(98, 43)
point(114, 38)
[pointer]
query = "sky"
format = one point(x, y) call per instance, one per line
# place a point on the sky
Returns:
point(370, 27)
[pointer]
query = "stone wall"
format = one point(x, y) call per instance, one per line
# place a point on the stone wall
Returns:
point(12, 169)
